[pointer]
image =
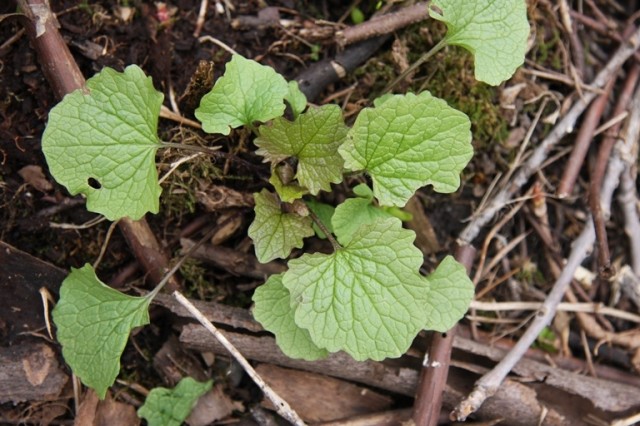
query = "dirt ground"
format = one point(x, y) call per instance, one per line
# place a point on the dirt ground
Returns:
point(44, 231)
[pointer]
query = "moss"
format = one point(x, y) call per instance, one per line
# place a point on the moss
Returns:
point(450, 76)
point(547, 50)
point(197, 284)
point(179, 189)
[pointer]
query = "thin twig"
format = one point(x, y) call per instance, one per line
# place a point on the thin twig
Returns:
point(103, 249)
point(492, 233)
point(208, 150)
point(628, 198)
point(178, 163)
point(88, 224)
point(583, 141)
point(383, 24)
point(610, 123)
point(167, 277)
point(565, 126)
point(591, 308)
point(219, 43)
point(281, 405)
point(170, 115)
point(601, 28)
point(488, 384)
point(202, 16)
point(436, 361)
point(597, 175)
point(587, 354)
point(556, 76)
point(4, 48)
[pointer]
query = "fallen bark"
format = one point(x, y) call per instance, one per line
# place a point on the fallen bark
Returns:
point(401, 376)
point(515, 404)
point(30, 372)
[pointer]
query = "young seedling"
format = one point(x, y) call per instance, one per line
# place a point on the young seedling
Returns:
point(367, 297)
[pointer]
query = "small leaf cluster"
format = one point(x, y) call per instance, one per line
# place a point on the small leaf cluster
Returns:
point(367, 296)
point(170, 407)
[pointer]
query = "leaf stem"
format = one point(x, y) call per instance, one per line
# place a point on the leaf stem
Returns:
point(195, 148)
point(325, 230)
point(424, 58)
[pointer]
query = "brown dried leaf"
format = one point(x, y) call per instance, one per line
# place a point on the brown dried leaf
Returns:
point(34, 176)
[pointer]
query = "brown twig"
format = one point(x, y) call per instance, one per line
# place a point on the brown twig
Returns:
point(601, 28)
point(315, 78)
point(56, 61)
point(582, 142)
point(64, 76)
point(600, 167)
point(565, 126)
point(601, 16)
point(577, 51)
point(488, 384)
point(383, 24)
point(435, 366)
point(593, 329)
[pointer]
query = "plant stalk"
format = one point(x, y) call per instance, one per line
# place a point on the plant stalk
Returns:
point(336, 245)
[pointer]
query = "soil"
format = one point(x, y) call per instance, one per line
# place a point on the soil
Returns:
point(40, 221)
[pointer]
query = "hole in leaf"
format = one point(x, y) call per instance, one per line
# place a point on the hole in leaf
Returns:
point(94, 183)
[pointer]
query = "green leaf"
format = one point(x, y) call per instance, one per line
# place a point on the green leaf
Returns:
point(170, 407)
point(494, 31)
point(247, 92)
point(103, 144)
point(407, 142)
point(324, 213)
point(450, 293)
point(357, 17)
point(274, 232)
point(93, 323)
point(296, 98)
point(403, 215)
point(274, 311)
point(288, 192)
point(367, 298)
point(313, 138)
point(355, 212)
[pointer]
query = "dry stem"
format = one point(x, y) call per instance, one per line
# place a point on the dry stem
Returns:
point(540, 154)
point(488, 384)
